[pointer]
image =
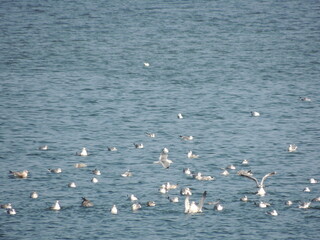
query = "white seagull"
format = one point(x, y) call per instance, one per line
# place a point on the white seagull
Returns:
point(163, 159)
point(260, 185)
point(292, 148)
point(56, 206)
point(193, 207)
point(255, 114)
point(114, 209)
point(138, 145)
point(83, 152)
point(192, 155)
point(179, 116)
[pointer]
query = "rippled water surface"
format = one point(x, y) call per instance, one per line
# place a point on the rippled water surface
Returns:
point(73, 75)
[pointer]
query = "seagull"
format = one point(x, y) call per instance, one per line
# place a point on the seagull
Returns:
point(191, 155)
point(80, 165)
point(151, 204)
point(94, 180)
point(127, 174)
point(316, 199)
point(273, 213)
point(163, 159)
point(112, 149)
point(306, 189)
point(187, 171)
point(224, 172)
point(186, 191)
point(187, 138)
point(180, 116)
point(289, 203)
point(292, 148)
point(86, 203)
point(218, 207)
point(199, 177)
point(6, 206)
point(133, 198)
point(43, 148)
point(255, 114)
point(193, 207)
point(244, 198)
point(11, 211)
point(34, 195)
point(170, 186)
point(138, 145)
point(57, 170)
point(174, 199)
point(96, 172)
point(245, 161)
point(146, 64)
point(72, 185)
point(83, 152)
point(56, 206)
point(163, 189)
point(231, 166)
point(260, 185)
point(263, 204)
point(304, 205)
point(23, 174)
point(135, 206)
point(313, 181)
point(114, 209)
point(151, 135)
point(305, 99)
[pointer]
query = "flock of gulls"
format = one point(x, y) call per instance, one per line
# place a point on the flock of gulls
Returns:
point(190, 207)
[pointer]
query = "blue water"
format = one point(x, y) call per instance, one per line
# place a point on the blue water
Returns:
point(72, 75)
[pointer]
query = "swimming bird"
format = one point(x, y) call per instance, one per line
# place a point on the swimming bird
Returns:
point(83, 152)
point(138, 145)
point(244, 199)
point(163, 189)
point(163, 159)
point(186, 191)
point(224, 172)
point(179, 116)
point(114, 209)
point(86, 203)
point(317, 199)
point(23, 174)
point(313, 181)
point(192, 155)
point(199, 177)
point(135, 206)
point(151, 204)
point(43, 148)
point(231, 167)
point(133, 198)
point(151, 135)
point(80, 165)
point(193, 207)
point(245, 161)
point(255, 114)
point(263, 204)
point(56, 206)
point(260, 185)
point(307, 189)
point(6, 206)
point(304, 205)
point(272, 213)
point(218, 207)
point(94, 180)
point(96, 172)
point(72, 185)
point(112, 149)
point(170, 186)
point(127, 174)
point(187, 171)
point(56, 170)
point(174, 199)
point(187, 138)
point(305, 99)
point(292, 148)
point(289, 203)
point(34, 195)
point(146, 64)
point(11, 211)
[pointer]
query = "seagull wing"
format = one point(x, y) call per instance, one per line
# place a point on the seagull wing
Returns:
point(186, 204)
point(201, 202)
point(243, 174)
point(266, 176)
